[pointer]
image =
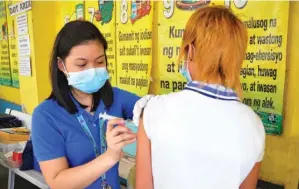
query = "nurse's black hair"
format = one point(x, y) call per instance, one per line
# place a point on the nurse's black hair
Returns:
point(72, 34)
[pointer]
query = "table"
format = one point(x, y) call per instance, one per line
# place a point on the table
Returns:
point(32, 176)
point(38, 180)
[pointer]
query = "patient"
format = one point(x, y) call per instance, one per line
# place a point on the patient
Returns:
point(203, 137)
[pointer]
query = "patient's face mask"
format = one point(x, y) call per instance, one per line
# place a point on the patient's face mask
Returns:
point(88, 81)
point(185, 70)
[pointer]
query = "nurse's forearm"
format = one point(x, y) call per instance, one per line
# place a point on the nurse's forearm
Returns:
point(84, 175)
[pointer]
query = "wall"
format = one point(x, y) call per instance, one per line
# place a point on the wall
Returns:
point(281, 160)
point(36, 88)
point(10, 94)
point(5, 104)
point(9, 98)
point(42, 30)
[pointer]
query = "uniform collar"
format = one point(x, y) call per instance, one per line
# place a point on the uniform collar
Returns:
point(82, 111)
point(79, 108)
point(212, 90)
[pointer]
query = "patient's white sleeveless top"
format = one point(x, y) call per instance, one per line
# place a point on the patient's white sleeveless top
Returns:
point(202, 137)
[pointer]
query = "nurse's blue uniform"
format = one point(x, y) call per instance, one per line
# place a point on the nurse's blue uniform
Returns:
point(57, 133)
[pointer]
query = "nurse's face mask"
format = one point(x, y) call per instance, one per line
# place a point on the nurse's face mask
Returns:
point(185, 68)
point(88, 81)
point(87, 63)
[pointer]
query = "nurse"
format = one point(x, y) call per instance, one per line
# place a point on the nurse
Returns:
point(204, 136)
point(68, 140)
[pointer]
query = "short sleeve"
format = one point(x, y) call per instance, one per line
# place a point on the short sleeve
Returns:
point(128, 102)
point(262, 136)
point(48, 143)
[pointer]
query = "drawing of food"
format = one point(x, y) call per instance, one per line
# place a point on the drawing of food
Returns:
point(191, 4)
point(104, 14)
point(80, 11)
point(139, 9)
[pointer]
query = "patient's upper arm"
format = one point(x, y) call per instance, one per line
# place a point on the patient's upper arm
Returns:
point(144, 179)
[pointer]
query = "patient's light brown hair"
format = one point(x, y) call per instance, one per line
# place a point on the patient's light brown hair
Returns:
point(220, 41)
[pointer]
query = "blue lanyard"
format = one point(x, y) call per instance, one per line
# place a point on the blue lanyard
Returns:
point(94, 144)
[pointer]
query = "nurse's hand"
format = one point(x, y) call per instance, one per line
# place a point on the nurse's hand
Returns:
point(118, 137)
point(138, 108)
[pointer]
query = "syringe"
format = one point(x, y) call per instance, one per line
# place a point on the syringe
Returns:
point(128, 123)
point(105, 116)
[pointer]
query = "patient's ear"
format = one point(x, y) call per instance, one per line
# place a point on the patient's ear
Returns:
point(191, 53)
